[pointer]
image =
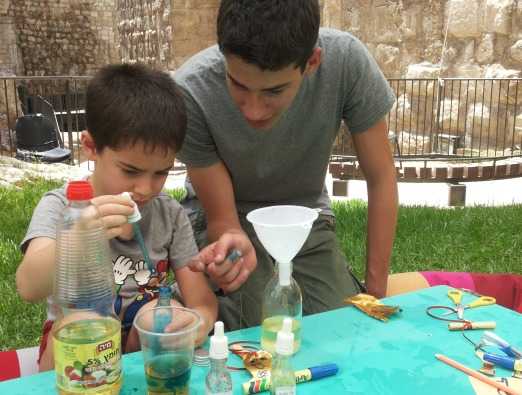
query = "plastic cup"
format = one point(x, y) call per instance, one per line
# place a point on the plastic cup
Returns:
point(167, 354)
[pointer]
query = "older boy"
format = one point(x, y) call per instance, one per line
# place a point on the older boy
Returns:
point(264, 107)
point(136, 123)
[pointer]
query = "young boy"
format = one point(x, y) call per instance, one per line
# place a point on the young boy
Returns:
point(136, 123)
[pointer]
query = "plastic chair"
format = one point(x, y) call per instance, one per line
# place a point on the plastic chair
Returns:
point(18, 363)
point(38, 136)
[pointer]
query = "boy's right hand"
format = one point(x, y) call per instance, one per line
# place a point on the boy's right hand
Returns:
point(228, 276)
point(114, 211)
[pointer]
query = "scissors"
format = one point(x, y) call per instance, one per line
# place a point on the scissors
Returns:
point(456, 296)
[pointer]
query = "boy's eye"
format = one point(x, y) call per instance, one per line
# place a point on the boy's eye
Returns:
point(130, 172)
point(274, 92)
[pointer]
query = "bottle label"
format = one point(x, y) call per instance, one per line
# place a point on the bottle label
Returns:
point(88, 365)
point(285, 391)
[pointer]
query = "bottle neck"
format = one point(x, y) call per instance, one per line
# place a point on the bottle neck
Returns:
point(79, 203)
point(283, 361)
point(284, 271)
point(218, 364)
point(163, 300)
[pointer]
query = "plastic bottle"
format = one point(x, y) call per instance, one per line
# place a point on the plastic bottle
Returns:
point(218, 380)
point(87, 342)
point(282, 298)
point(283, 375)
point(163, 317)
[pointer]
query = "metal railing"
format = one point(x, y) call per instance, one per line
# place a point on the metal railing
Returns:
point(20, 96)
point(437, 119)
point(451, 119)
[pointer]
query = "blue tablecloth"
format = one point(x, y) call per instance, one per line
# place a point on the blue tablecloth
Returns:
point(373, 357)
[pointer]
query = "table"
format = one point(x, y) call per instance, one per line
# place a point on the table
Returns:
point(373, 357)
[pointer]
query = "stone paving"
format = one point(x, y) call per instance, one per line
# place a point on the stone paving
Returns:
point(491, 193)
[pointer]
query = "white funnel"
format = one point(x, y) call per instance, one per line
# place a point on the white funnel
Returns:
point(282, 229)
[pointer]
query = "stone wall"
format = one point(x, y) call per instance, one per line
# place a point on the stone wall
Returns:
point(408, 40)
point(165, 33)
point(402, 33)
point(64, 37)
point(8, 47)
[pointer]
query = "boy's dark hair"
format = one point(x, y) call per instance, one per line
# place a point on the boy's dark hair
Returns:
point(271, 34)
point(127, 104)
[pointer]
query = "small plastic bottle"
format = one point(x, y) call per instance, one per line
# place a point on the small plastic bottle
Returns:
point(162, 317)
point(218, 380)
point(281, 298)
point(283, 375)
point(87, 341)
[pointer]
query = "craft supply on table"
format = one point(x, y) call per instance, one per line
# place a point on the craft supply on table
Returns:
point(218, 380)
point(314, 373)
point(475, 374)
point(441, 312)
point(282, 375)
point(456, 296)
point(372, 306)
point(511, 360)
point(468, 325)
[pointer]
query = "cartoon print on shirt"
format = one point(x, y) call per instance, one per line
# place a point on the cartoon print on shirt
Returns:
point(122, 268)
point(146, 280)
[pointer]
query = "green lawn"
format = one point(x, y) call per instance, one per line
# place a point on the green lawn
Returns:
point(466, 239)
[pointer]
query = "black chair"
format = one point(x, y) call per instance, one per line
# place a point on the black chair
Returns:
point(38, 137)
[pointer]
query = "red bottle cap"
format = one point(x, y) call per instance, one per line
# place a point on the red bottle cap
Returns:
point(79, 190)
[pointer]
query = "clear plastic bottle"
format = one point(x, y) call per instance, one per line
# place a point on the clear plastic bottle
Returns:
point(87, 342)
point(282, 298)
point(218, 380)
point(283, 376)
point(163, 317)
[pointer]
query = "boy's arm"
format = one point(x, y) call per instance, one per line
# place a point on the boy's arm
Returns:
point(214, 189)
point(197, 295)
point(35, 274)
point(375, 158)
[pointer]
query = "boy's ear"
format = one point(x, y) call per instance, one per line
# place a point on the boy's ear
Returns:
point(314, 61)
point(88, 146)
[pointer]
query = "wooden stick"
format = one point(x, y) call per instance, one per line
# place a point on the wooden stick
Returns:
point(477, 375)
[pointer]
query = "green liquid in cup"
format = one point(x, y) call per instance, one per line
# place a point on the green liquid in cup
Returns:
point(168, 374)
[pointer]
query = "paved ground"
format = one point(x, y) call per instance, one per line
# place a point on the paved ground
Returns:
point(491, 193)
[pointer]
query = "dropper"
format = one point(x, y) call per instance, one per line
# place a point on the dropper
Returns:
point(218, 342)
point(133, 219)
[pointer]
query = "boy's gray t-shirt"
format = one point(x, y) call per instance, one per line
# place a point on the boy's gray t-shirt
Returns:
point(286, 164)
point(167, 233)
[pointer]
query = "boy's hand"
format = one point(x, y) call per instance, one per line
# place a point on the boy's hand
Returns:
point(227, 275)
point(114, 211)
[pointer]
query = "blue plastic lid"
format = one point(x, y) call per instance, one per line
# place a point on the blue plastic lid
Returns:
point(323, 370)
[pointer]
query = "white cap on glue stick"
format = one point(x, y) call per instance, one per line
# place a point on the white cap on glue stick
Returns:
point(285, 338)
point(136, 215)
point(218, 342)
